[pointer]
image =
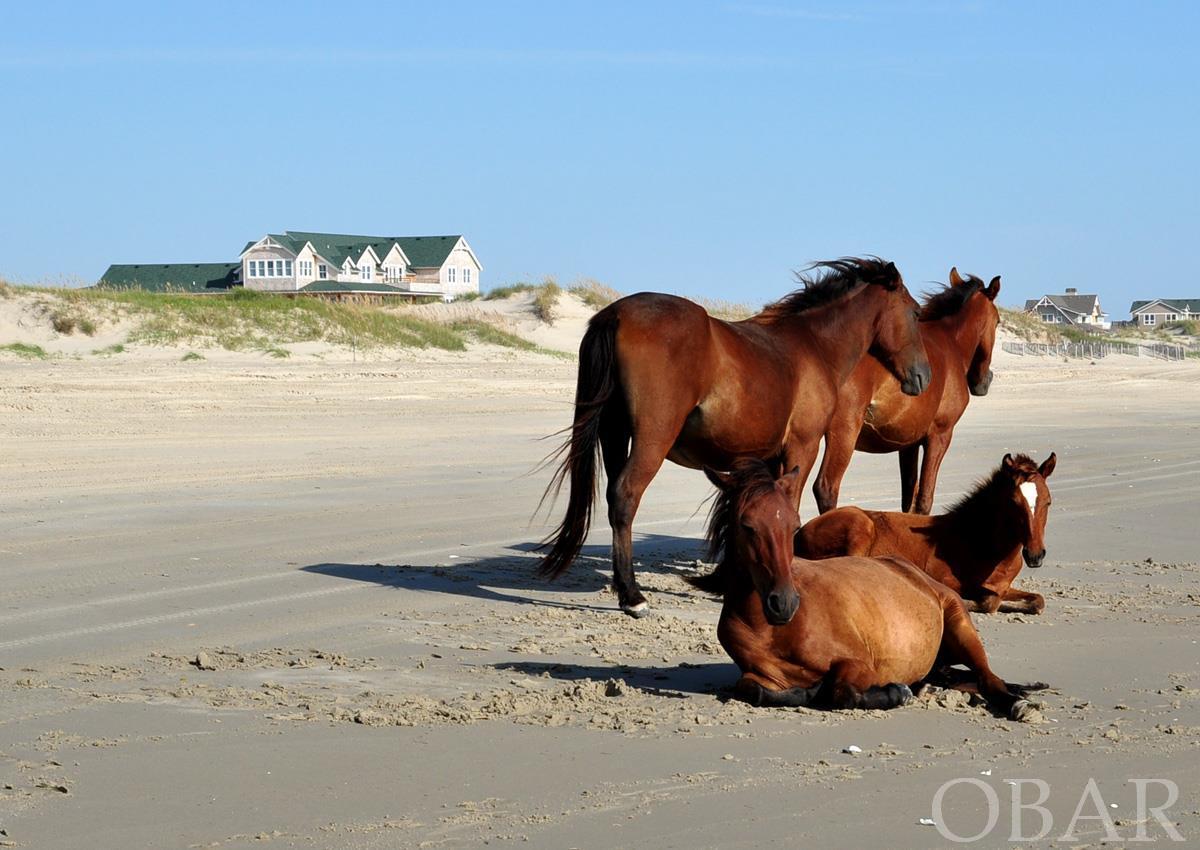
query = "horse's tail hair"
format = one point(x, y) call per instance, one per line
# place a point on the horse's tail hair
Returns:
point(715, 582)
point(594, 389)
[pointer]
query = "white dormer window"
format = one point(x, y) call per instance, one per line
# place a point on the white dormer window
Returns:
point(322, 271)
point(450, 274)
point(287, 268)
point(365, 272)
point(466, 275)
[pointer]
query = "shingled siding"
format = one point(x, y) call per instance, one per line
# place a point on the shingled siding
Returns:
point(268, 284)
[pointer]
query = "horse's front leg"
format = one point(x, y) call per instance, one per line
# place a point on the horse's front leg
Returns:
point(800, 454)
point(1022, 602)
point(935, 450)
point(840, 439)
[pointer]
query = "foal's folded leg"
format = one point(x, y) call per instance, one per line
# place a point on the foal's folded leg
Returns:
point(849, 687)
point(750, 689)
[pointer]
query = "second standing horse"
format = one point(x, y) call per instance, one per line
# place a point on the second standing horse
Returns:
point(958, 328)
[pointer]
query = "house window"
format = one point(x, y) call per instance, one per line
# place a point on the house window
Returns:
point(466, 275)
point(1172, 317)
point(322, 272)
point(287, 268)
point(394, 272)
point(270, 268)
point(365, 272)
point(450, 274)
point(1149, 318)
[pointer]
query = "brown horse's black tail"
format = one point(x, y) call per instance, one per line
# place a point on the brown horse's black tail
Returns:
point(594, 391)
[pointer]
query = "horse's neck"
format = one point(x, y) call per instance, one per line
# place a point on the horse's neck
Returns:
point(991, 542)
point(962, 332)
point(843, 334)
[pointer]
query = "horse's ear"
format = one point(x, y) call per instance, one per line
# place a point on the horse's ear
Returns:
point(1007, 463)
point(791, 478)
point(891, 276)
point(955, 279)
point(993, 288)
point(1048, 465)
point(720, 480)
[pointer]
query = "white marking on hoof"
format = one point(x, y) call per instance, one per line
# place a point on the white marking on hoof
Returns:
point(906, 695)
point(1029, 491)
point(639, 610)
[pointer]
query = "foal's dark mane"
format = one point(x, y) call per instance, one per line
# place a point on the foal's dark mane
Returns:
point(978, 508)
point(948, 301)
point(834, 279)
point(748, 479)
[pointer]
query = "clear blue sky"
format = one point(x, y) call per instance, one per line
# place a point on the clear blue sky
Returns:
point(696, 148)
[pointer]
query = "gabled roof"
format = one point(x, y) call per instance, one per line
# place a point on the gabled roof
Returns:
point(422, 251)
point(1082, 305)
point(1191, 305)
point(172, 277)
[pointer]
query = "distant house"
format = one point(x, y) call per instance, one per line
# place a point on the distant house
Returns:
point(296, 261)
point(1163, 310)
point(173, 277)
point(1070, 308)
point(329, 264)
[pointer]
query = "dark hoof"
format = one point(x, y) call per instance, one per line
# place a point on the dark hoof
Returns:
point(637, 609)
point(905, 694)
point(751, 692)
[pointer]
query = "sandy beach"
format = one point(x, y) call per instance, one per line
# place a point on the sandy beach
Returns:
point(251, 602)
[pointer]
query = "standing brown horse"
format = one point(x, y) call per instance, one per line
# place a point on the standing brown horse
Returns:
point(958, 328)
point(661, 379)
point(975, 548)
point(846, 632)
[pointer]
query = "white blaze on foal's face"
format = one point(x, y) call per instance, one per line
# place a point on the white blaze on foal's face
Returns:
point(1029, 491)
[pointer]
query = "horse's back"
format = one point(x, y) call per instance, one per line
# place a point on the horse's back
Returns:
point(836, 533)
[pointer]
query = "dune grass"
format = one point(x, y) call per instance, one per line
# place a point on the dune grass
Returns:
point(244, 320)
point(593, 293)
point(26, 350)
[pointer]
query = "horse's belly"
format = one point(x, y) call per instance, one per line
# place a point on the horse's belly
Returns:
point(715, 433)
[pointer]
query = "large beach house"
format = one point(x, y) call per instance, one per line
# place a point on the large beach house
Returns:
point(1070, 308)
point(331, 264)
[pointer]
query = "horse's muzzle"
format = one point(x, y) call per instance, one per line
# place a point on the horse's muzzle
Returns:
point(779, 606)
point(981, 387)
point(1033, 559)
point(916, 380)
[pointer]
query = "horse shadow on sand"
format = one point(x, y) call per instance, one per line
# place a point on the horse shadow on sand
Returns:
point(512, 578)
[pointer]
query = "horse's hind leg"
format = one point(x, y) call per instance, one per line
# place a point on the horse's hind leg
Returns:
point(936, 445)
point(961, 645)
point(849, 685)
point(624, 495)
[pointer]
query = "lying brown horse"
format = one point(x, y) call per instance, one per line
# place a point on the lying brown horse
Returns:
point(847, 632)
point(975, 548)
point(958, 328)
point(660, 379)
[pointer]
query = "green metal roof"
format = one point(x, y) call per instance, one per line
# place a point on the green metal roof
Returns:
point(1180, 304)
point(172, 277)
point(422, 251)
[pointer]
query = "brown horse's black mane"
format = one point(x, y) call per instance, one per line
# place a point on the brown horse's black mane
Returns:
point(834, 279)
point(978, 508)
point(948, 301)
point(748, 478)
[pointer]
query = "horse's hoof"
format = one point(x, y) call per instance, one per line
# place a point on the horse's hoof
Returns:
point(906, 695)
point(639, 610)
point(1023, 711)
